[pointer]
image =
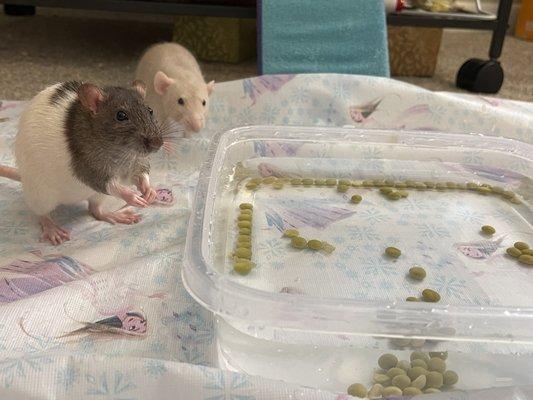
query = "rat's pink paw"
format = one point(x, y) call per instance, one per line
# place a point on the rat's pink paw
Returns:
point(149, 195)
point(124, 216)
point(53, 233)
point(133, 199)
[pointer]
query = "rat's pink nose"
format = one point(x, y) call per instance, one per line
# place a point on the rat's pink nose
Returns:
point(196, 123)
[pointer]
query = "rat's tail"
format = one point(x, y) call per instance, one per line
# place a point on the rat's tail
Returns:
point(9, 172)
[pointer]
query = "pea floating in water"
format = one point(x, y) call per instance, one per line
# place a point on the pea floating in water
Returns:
point(307, 182)
point(443, 355)
point(417, 273)
point(244, 231)
point(415, 372)
point(411, 391)
point(527, 252)
point(387, 361)
point(357, 390)
point(488, 230)
point(246, 212)
point(403, 193)
point(327, 248)
point(345, 182)
point(431, 391)
point(342, 188)
point(247, 245)
point(320, 182)
point(472, 185)
point(521, 246)
point(514, 252)
point(386, 190)
point(420, 186)
point(526, 259)
point(382, 379)
point(277, 185)
point(403, 364)
point(314, 244)
point(331, 182)
point(357, 184)
point(244, 238)
point(441, 186)
point(508, 194)
point(290, 233)
point(368, 183)
point(244, 217)
point(242, 267)
point(411, 298)
point(393, 252)
point(244, 224)
point(436, 364)
point(419, 355)
point(391, 391)
point(243, 252)
point(394, 196)
point(256, 181)
point(401, 381)
point(450, 378)
point(298, 242)
point(434, 380)
point(400, 185)
point(269, 180)
point(245, 206)
point(296, 182)
point(394, 371)
point(410, 183)
point(375, 391)
point(419, 382)
point(429, 184)
point(430, 296)
point(251, 186)
point(419, 363)
point(356, 199)
point(483, 190)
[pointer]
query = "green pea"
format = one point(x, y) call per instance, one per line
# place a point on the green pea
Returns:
point(277, 185)
point(307, 182)
point(419, 355)
point(331, 182)
point(314, 244)
point(419, 382)
point(441, 186)
point(342, 188)
point(410, 183)
point(488, 230)
point(247, 245)
point(356, 199)
point(417, 273)
point(375, 391)
point(403, 364)
point(400, 185)
point(514, 200)
point(393, 252)
point(420, 186)
point(357, 390)
point(472, 185)
point(415, 372)
point(430, 296)
point(296, 182)
point(527, 252)
point(434, 379)
point(242, 267)
point(386, 190)
point(245, 231)
point(251, 186)
point(368, 183)
point(431, 391)
point(243, 252)
point(387, 361)
point(298, 242)
point(419, 363)
point(411, 391)
point(256, 181)
point(436, 364)
point(391, 391)
point(269, 180)
point(394, 196)
point(401, 381)
point(443, 355)
point(246, 212)
point(451, 185)
point(403, 193)
point(411, 298)
point(320, 182)
point(382, 379)
point(429, 184)
point(380, 183)
point(244, 217)
point(244, 224)
point(357, 183)
point(450, 378)
point(345, 182)
point(521, 246)
point(483, 190)
point(244, 238)
point(508, 194)
point(246, 206)
point(327, 248)
point(290, 233)
point(391, 373)
point(514, 252)
point(526, 259)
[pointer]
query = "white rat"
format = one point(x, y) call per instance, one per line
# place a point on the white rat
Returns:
point(80, 142)
point(176, 88)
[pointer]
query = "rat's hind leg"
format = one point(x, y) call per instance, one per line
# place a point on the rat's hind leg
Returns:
point(51, 232)
point(123, 216)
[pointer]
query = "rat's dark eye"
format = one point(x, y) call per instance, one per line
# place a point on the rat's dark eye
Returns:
point(181, 101)
point(150, 111)
point(122, 116)
point(203, 103)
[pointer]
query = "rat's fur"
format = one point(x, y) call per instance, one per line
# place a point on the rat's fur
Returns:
point(171, 73)
point(71, 147)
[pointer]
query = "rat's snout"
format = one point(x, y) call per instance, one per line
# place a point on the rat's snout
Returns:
point(195, 123)
point(153, 144)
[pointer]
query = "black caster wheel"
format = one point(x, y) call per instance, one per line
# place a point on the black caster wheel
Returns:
point(481, 76)
point(15, 9)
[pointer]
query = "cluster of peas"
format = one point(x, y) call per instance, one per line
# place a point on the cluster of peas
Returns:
point(520, 250)
point(393, 190)
point(300, 243)
point(424, 373)
point(243, 247)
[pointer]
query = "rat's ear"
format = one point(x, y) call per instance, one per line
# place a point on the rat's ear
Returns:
point(140, 87)
point(210, 87)
point(91, 96)
point(162, 82)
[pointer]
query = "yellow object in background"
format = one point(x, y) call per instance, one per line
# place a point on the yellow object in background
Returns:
point(217, 39)
point(524, 24)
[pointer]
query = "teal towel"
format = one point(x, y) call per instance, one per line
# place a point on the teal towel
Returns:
point(337, 36)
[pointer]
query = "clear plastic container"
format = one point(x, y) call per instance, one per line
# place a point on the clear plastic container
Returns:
point(323, 320)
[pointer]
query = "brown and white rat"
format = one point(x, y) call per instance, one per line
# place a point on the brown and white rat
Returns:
point(176, 89)
point(77, 142)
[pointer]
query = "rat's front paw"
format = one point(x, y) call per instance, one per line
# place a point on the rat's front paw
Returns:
point(149, 195)
point(133, 199)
